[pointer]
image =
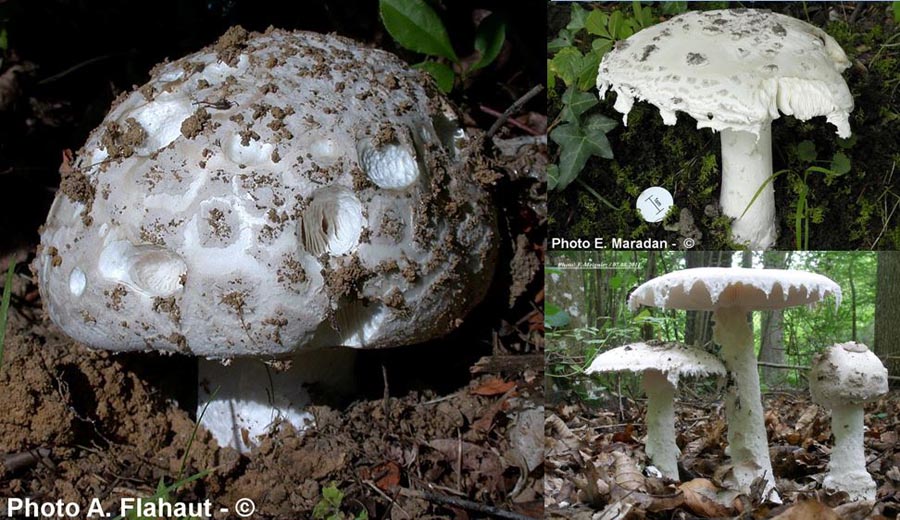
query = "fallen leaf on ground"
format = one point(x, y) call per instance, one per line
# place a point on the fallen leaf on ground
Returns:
point(700, 497)
point(809, 510)
point(494, 386)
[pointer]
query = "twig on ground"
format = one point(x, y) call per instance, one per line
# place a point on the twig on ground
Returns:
point(464, 504)
point(517, 104)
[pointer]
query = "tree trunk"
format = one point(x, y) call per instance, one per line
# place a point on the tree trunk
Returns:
point(887, 311)
point(649, 274)
point(771, 348)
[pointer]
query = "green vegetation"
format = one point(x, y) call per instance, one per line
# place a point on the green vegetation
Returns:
point(416, 26)
point(329, 508)
point(4, 307)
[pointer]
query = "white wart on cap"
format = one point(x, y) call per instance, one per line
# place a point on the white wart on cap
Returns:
point(731, 69)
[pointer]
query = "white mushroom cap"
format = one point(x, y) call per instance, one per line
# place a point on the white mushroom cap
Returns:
point(847, 374)
point(731, 69)
point(672, 359)
point(269, 193)
point(711, 288)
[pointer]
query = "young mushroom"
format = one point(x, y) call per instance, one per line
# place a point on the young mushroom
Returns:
point(662, 365)
point(733, 70)
point(268, 195)
point(732, 293)
point(843, 378)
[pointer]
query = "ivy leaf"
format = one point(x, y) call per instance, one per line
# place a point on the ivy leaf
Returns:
point(587, 75)
point(567, 64)
point(489, 40)
point(575, 148)
point(600, 123)
point(806, 151)
point(416, 26)
point(442, 74)
point(552, 176)
point(840, 164)
point(578, 18)
point(576, 103)
point(596, 23)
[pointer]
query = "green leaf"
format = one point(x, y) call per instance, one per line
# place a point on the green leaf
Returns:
point(562, 40)
point(551, 78)
point(552, 176)
point(616, 21)
point(576, 103)
point(896, 8)
point(567, 64)
point(840, 163)
point(587, 75)
point(442, 74)
point(806, 151)
point(489, 40)
point(602, 45)
point(416, 26)
point(596, 23)
point(554, 317)
point(4, 40)
point(673, 8)
point(576, 147)
point(847, 143)
point(578, 18)
point(599, 123)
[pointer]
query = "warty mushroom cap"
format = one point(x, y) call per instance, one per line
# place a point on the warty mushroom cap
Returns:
point(711, 288)
point(269, 193)
point(672, 359)
point(847, 374)
point(731, 69)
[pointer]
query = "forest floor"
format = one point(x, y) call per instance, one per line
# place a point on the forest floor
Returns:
point(594, 459)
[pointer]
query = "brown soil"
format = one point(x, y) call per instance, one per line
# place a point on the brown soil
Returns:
point(108, 426)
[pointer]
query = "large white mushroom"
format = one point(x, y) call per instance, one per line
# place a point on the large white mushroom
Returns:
point(268, 195)
point(662, 365)
point(733, 70)
point(731, 293)
point(843, 378)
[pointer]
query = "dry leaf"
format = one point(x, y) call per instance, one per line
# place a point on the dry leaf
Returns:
point(494, 386)
point(808, 510)
point(700, 497)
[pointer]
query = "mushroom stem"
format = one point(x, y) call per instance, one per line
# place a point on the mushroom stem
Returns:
point(747, 439)
point(747, 165)
point(847, 467)
point(248, 398)
point(661, 447)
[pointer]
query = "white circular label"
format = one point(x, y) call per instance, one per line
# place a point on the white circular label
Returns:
point(654, 203)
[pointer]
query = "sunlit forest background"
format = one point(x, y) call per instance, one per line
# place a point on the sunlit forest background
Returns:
point(587, 312)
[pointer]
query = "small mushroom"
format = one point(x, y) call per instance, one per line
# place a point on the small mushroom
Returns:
point(731, 293)
point(268, 195)
point(662, 365)
point(843, 378)
point(733, 70)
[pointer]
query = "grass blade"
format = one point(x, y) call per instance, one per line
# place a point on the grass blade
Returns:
point(4, 307)
point(761, 187)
